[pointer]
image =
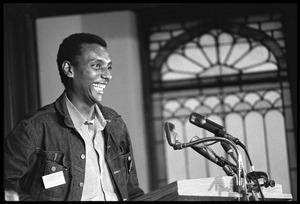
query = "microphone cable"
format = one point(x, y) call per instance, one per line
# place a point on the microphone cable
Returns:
point(256, 179)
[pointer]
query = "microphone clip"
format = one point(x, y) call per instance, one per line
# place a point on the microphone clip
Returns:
point(251, 176)
point(177, 145)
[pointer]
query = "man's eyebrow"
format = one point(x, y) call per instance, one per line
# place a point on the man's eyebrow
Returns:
point(101, 61)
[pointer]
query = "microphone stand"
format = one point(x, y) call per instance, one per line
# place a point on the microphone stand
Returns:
point(239, 187)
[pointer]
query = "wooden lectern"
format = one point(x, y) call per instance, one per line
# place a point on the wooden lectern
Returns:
point(209, 189)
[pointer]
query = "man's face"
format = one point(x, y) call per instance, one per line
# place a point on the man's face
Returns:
point(91, 73)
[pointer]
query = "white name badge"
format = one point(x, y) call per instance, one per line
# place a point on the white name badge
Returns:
point(55, 179)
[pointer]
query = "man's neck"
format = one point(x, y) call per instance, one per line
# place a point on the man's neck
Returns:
point(88, 111)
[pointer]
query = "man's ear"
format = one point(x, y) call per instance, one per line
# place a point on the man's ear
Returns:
point(67, 69)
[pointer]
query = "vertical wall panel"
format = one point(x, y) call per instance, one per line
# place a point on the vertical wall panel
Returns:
point(277, 150)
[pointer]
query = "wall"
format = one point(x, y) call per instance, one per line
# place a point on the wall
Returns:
point(124, 92)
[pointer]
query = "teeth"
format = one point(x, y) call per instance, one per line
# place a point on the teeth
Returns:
point(99, 87)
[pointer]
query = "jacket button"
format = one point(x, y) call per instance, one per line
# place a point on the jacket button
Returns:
point(82, 156)
point(53, 168)
point(81, 184)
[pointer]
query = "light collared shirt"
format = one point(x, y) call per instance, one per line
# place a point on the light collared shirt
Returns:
point(97, 182)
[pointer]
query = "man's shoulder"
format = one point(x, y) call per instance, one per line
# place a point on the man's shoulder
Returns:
point(39, 114)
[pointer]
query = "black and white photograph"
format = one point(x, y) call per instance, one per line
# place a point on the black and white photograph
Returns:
point(150, 102)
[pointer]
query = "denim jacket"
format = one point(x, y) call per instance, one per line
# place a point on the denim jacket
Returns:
point(47, 142)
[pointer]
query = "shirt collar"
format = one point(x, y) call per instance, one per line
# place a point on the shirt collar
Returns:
point(100, 121)
point(78, 118)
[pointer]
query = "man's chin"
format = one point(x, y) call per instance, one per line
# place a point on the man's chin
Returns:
point(95, 96)
point(98, 99)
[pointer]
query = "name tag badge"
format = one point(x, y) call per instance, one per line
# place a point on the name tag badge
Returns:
point(55, 179)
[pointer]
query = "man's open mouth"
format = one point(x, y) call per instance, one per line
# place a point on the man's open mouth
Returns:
point(99, 87)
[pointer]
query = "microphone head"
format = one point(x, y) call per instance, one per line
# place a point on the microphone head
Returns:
point(197, 119)
point(170, 133)
point(202, 122)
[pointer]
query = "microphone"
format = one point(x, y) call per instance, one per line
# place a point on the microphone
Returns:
point(206, 152)
point(216, 129)
point(212, 156)
point(228, 170)
point(171, 135)
point(206, 124)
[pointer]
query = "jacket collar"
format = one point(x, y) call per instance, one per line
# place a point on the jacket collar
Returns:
point(61, 107)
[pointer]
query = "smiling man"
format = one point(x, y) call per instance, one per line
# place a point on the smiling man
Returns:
point(74, 149)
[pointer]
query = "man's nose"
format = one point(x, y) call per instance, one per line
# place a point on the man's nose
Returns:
point(106, 75)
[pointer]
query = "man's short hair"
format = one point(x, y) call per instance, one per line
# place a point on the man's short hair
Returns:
point(70, 48)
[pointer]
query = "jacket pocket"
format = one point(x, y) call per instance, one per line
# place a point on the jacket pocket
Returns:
point(119, 169)
point(53, 162)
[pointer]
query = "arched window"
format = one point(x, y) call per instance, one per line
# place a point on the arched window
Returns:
point(234, 72)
